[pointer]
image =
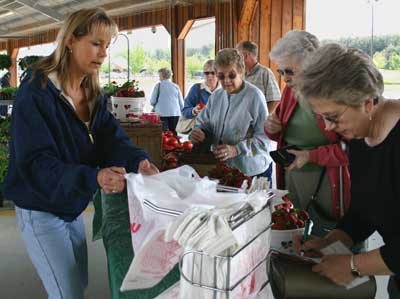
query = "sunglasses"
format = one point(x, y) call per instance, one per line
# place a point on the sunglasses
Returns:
point(209, 73)
point(221, 76)
point(288, 72)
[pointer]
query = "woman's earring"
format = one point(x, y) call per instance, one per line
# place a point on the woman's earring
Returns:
point(70, 51)
point(370, 117)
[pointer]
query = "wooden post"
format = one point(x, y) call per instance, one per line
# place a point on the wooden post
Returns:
point(13, 52)
point(246, 15)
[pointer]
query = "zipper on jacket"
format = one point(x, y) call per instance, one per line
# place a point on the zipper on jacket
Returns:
point(89, 131)
point(223, 124)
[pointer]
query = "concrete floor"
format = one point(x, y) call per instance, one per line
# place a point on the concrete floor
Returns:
point(18, 279)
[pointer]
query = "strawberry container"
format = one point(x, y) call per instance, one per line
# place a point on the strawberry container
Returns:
point(125, 107)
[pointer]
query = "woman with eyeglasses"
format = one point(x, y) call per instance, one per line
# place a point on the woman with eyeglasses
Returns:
point(344, 86)
point(200, 92)
point(320, 167)
point(233, 119)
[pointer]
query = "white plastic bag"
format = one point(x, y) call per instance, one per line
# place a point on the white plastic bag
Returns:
point(154, 202)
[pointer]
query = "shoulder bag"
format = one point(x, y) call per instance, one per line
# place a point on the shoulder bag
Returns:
point(158, 95)
point(185, 125)
point(291, 279)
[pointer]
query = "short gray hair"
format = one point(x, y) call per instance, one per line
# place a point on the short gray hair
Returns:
point(249, 47)
point(344, 75)
point(209, 64)
point(295, 45)
point(165, 73)
point(230, 57)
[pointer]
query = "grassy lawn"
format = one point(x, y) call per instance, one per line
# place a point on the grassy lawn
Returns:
point(391, 77)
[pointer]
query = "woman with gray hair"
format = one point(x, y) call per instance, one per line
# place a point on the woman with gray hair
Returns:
point(344, 88)
point(167, 100)
point(233, 119)
point(315, 170)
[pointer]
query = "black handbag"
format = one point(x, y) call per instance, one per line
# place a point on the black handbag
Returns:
point(292, 279)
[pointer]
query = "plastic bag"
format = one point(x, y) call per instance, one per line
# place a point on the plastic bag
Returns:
point(154, 202)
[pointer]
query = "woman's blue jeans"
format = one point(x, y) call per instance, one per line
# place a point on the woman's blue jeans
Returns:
point(58, 251)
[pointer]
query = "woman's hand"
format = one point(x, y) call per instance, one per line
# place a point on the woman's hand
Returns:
point(112, 179)
point(196, 110)
point(272, 125)
point(311, 247)
point(336, 268)
point(224, 152)
point(147, 168)
point(197, 136)
point(302, 158)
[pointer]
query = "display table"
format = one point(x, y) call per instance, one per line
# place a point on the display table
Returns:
point(111, 223)
point(148, 137)
point(201, 162)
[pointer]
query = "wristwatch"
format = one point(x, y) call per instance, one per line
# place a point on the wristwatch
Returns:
point(354, 269)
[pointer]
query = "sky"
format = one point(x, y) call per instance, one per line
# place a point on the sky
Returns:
point(351, 18)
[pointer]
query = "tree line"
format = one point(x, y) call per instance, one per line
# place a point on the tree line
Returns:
point(385, 53)
point(150, 62)
point(385, 49)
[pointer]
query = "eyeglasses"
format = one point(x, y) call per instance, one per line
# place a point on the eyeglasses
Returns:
point(221, 76)
point(334, 119)
point(209, 73)
point(287, 72)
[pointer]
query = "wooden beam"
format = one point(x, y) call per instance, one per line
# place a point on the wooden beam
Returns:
point(287, 16)
point(245, 19)
point(185, 30)
point(264, 45)
point(299, 16)
point(13, 52)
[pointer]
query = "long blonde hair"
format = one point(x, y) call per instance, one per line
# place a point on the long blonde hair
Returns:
point(78, 24)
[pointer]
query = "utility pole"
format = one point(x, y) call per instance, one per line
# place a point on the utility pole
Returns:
point(372, 3)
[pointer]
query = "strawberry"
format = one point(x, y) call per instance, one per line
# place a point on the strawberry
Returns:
point(278, 226)
point(300, 223)
point(303, 215)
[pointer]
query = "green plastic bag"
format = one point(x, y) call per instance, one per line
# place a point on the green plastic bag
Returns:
point(111, 223)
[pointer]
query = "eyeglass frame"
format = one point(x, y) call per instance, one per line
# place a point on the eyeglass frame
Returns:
point(231, 76)
point(212, 73)
point(286, 71)
point(332, 119)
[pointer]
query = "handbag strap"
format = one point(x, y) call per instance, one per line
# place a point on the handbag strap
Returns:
point(199, 92)
point(158, 93)
point(314, 196)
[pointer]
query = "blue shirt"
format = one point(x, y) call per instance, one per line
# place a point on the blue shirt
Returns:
point(193, 99)
point(167, 99)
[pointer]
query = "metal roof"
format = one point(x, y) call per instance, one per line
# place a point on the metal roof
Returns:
point(26, 17)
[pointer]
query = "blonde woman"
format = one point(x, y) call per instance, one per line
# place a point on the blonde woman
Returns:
point(64, 146)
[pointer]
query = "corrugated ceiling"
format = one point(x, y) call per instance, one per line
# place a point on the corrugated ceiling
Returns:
point(26, 17)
